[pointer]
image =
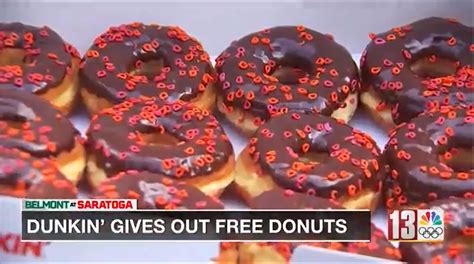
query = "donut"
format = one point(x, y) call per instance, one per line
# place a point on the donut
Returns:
point(177, 140)
point(38, 60)
point(137, 60)
point(430, 158)
point(32, 125)
point(281, 252)
point(285, 68)
point(458, 244)
point(423, 65)
point(313, 154)
point(24, 176)
point(155, 191)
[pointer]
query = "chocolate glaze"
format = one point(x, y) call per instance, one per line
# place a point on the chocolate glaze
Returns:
point(417, 174)
point(42, 131)
point(288, 199)
point(352, 164)
point(114, 54)
point(328, 73)
point(115, 137)
point(48, 58)
point(385, 65)
point(24, 176)
point(155, 191)
point(459, 224)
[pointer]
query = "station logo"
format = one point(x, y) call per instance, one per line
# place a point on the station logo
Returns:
point(416, 225)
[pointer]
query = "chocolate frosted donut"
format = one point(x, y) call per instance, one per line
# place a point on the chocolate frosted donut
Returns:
point(458, 237)
point(313, 154)
point(32, 125)
point(24, 176)
point(137, 60)
point(416, 67)
point(39, 61)
point(154, 191)
point(430, 158)
point(281, 252)
point(177, 140)
point(282, 69)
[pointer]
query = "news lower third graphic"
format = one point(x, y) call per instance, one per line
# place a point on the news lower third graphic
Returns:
point(416, 225)
point(102, 219)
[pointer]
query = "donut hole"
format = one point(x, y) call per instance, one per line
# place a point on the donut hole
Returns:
point(159, 139)
point(291, 69)
point(150, 67)
point(14, 126)
point(314, 157)
point(433, 67)
point(317, 153)
point(9, 57)
point(15, 121)
point(459, 159)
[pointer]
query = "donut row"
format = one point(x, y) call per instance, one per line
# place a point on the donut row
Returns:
point(426, 159)
point(404, 71)
point(152, 93)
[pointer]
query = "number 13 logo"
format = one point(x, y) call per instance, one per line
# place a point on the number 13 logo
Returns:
point(402, 225)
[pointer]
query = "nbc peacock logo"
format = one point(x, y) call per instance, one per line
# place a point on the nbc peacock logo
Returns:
point(431, 218)
point(430, 225)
